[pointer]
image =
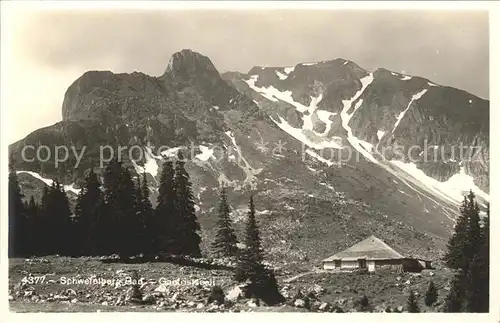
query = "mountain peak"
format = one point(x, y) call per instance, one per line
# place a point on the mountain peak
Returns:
point(188, 62)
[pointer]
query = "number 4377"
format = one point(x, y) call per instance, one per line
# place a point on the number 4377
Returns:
point(33, 280)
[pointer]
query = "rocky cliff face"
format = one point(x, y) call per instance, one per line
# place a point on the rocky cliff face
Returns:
point(272, 132)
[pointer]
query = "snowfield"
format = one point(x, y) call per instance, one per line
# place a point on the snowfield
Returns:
point(414, 98)
point(346, 117)
point(452, 190)
point(281, 76)
point(48, 181)
point(205, 154)
point(319, 142)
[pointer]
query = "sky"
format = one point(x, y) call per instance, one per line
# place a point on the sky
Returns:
point(45, 51)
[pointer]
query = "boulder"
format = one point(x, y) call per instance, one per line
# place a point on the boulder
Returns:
point(212, 307)
point(235, 293)
point(70, 292)
point(252, 303)
point(299, 303)
point(148, 299)
point(317, 289)
point(174, 297)
point(324, 307)
point(162, 288)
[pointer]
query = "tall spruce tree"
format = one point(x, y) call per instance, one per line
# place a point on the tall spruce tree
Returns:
point(147, 215)
point(164, 214)
point(124, 227)
point(262, 281)
point(412, 305)
point(431, 294)
point(89, 211)
point(454, 301)
point(188, 238)
point(33, 217)
point(225, 239)
point(42, 247)
point(250, 258)
point(478, 276)
point(58, 224)
point(18, 238)
point(464, 242)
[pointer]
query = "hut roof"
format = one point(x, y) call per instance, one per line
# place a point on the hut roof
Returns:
point(370, 248)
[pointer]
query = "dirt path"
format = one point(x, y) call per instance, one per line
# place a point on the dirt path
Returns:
point(314, 271)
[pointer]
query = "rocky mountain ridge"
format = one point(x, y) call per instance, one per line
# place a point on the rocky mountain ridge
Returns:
point(271, 132)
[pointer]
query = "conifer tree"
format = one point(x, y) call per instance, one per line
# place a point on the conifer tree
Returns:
point(188, 226)
point(478, 276)
point(455, 299)
point(464, 242)
point(42, 247)
point(89, 211)
point(431, 294)
point(263, 283)
point(364, 304)
point(164, 214)
point(17, 216)
point(33, 218)
point(147, 215)
point(58, 223)
point(124, 227)
point(225, 240)
point(250, 258)
point(412, 305)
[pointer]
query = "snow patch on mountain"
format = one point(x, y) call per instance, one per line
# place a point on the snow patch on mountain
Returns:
point(309, 138)
point(452, 190)
point(414, 98)
point(281, 76)
point(48, 181)
point(309, 64)
point(325, 116)
point(276, 95)
point(313, 106)
point(432, 84)
point(170, 152)
point(366, 145)
point(346, 117)
point(150, 165)
point(249, 171)
point(205, 154)
point(380, 134)
point(319, 158)
point(406, 78)
point(327, 186)
point(289, 70)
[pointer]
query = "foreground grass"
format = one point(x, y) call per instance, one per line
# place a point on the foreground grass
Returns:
point(383, 288)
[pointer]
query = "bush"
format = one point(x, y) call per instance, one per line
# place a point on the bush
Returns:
point(431, 294)
point(364, 304)
point(216, 295)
